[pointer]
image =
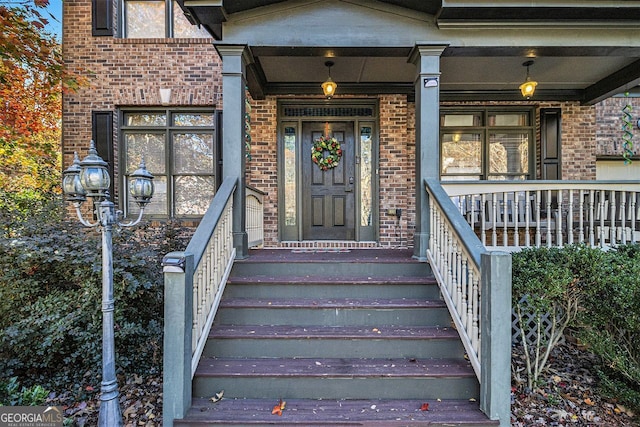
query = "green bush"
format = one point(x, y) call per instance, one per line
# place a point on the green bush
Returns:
point(50, 299)
point(11, 394)
point(610, 321)
point(597, 293)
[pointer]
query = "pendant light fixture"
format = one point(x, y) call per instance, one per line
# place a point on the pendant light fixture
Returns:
point(329, 86)
point(529, 86)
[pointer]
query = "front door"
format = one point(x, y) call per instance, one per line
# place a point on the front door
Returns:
point(328, 200)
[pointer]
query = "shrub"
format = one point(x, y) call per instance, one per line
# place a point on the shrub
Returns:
point(610, 320)
point(11, 394)
point(50, 299)
point(595, 291)
point(543, 287)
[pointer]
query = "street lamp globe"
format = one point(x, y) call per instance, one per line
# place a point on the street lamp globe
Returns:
point(94, 174)
point(71, 184)
point(141, 185)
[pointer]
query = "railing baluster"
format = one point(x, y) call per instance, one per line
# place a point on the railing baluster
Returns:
point(527, 218)
point(634, 216)
point(494, 226)
point(623, 217)
point(570, 219)
point(505, 219)
point(592, 214)
point(538, 237)
point(559, 239)
point(483, 219)
point(581, 217)
point(516, 219)
point(612, 220)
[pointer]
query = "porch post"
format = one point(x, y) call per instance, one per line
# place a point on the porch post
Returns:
point(426, 58)
point(234, 61)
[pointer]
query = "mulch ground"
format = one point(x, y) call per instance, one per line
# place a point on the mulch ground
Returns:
point(568, 396)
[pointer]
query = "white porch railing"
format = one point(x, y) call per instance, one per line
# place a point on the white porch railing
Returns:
point(255, 216)
point(476, 286)
point(509, 215)
point(194, 283)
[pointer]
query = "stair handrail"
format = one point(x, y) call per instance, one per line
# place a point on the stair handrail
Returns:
point(476, 287)
point(194, 281)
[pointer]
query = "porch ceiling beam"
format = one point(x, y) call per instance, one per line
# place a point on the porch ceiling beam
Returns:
point(618, 82)
point(541, 51)
point(500, 16)
point(408, 89)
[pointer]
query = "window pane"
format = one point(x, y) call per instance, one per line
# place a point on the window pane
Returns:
point(142, 119)
point(290, 176)
point(158, 204)
point(182, 28)
point(147, 145)
point(508, 119)
point(145, 19)
point(461, 153)
point(366, 165)
point(456, 120)
point(193, 119)
point(193, 194)
point(509, 153)
point(193, 153)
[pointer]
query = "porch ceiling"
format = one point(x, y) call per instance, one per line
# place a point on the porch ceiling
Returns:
point(586, 71)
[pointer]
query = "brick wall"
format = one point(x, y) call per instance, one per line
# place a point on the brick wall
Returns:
point(129, 73)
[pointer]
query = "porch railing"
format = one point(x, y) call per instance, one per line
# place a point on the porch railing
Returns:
point(549, 213)
point(476, 286)
point(194, 282)
point(255, 215)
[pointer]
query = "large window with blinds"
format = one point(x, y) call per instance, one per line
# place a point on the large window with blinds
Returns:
point(493, 144)
point(179, 148)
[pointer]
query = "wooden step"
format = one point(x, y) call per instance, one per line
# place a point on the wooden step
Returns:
point(310, 412)
point(287, 286)
point(333, 341)
point(317, 378)
point(333, 312)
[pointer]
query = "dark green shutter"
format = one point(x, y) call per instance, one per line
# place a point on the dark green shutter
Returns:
point(102, 17)
point(102, 135)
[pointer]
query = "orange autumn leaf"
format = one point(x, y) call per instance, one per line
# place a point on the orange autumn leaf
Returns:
point(277, 410)
point(424, 407)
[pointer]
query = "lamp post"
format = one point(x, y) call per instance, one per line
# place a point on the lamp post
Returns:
point(90, 178)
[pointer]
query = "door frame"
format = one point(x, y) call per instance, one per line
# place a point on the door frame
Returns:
point(291, 115)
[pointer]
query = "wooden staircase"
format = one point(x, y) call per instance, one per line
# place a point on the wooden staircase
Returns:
point(359, 337)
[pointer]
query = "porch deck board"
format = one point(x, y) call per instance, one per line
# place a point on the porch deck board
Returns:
point(310, 412)
point(330, 332)
point(333, 368)
point(341, 303)
point(321, 255)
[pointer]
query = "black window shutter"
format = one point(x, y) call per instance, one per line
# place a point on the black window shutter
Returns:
point(102, 135)
point(102, 17)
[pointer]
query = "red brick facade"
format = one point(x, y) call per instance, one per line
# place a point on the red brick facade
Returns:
point(130, 72)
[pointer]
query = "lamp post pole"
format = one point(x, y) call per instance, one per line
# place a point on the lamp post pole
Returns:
point(109, 405)
point(90, 178)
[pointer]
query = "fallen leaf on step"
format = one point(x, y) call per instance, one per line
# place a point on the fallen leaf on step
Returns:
point(277, 410)
point(217, 397)
point(424, 407)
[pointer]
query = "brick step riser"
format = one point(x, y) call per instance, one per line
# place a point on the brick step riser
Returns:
point(373, 317)
point(335, 348)
point(314, 290)
point(337, 270)
point(297, 387)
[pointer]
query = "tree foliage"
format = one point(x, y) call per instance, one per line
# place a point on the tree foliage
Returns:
point(32, 80)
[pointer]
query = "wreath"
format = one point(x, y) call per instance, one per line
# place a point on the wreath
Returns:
point(318, 149)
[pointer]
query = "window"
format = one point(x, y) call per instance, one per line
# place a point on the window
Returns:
point(179, 149)
point(486, 144)
point(149, 19)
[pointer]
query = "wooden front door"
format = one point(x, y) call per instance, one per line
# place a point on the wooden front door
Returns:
point(328, 200)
